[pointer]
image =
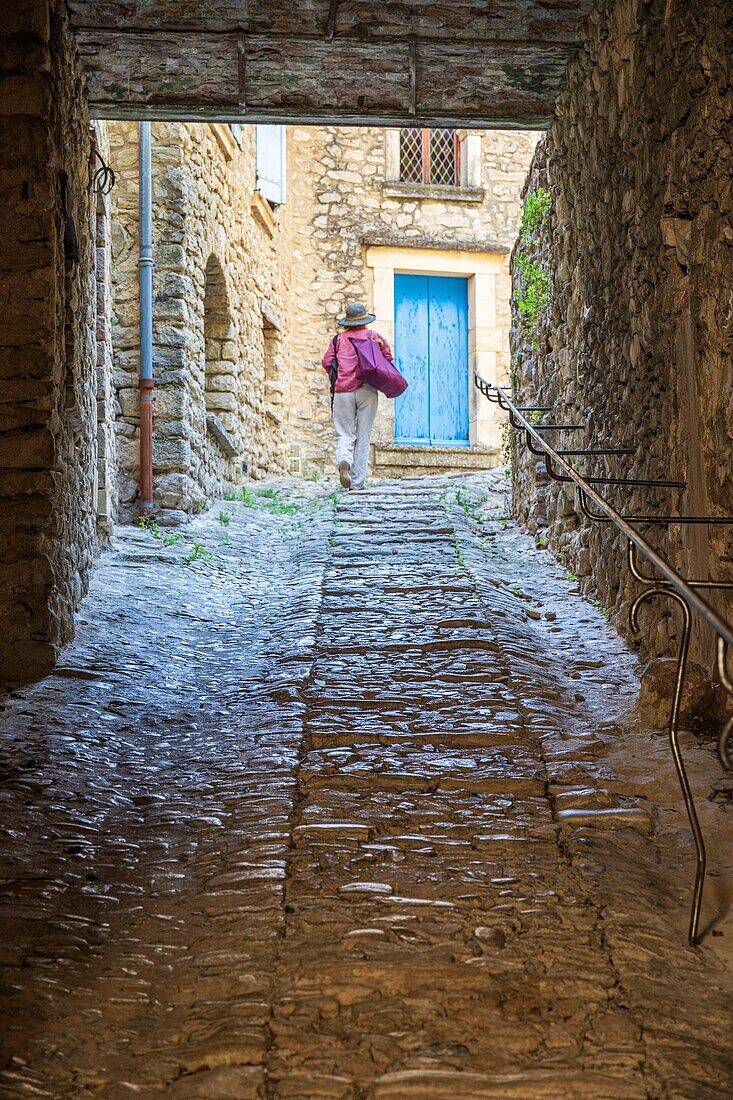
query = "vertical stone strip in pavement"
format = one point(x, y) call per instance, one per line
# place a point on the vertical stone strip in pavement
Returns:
point(439, 942)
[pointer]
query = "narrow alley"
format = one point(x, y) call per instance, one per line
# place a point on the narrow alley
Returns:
point(340, 798)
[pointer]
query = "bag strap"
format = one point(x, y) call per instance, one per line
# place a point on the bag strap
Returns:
point(333, 370)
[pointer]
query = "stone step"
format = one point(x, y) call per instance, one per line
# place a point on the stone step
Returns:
point(391, 460)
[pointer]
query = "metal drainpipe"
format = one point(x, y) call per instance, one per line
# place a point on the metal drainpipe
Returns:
point(146, 383)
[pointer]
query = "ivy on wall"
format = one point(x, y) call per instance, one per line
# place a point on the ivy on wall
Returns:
point(535, 214)
point(534, 282)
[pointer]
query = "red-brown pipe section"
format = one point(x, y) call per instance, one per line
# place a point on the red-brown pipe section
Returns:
point(146, 391)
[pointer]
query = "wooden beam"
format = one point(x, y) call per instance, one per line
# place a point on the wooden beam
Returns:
point(290, 79)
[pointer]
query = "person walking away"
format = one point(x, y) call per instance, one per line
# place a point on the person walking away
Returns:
point(354, 403)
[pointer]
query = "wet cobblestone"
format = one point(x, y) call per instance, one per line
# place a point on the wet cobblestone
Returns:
point(346, 813)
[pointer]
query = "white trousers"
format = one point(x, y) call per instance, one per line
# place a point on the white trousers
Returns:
point(353, 419)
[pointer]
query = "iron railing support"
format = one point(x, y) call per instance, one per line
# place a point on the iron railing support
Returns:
point(684, 591)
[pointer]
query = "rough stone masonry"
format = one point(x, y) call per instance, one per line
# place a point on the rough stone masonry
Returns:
point(48, 349)
point(221, 314)
point(637, 341)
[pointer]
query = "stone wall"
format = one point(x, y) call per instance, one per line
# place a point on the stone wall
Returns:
point(344, 198)
point(107, 489)
point(219, 321)
point(636, 341)
point(47, 339)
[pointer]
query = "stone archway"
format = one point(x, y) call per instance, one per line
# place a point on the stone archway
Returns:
point(465, 68)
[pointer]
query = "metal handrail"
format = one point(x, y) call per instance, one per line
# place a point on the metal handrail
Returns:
point(682, 590)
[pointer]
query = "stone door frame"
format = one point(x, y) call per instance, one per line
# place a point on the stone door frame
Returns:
point(488, 341)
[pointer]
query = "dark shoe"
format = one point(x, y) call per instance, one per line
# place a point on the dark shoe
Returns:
point(345, 474)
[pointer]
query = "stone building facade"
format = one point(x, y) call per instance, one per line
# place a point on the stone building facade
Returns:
point(637, 339)
point(356, 224)
point(246, 292)
point(220, 318)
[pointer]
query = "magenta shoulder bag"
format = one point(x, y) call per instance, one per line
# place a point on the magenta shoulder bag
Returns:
point(375, 368)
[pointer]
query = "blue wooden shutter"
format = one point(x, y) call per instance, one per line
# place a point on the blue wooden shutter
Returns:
point(271, 162)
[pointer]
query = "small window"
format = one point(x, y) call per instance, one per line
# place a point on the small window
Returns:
point(430, 156)
point(271, 163)
point(237, 129)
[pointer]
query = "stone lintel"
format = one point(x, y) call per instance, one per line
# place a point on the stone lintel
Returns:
point(456, 259)
point(412, 246)
point(231, 76)
point(124, 111)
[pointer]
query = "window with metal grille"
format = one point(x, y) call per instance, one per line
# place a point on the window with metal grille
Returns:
point(430, 156)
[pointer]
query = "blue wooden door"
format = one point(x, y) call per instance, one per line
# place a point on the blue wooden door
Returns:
point(412, 357)
point(431, 350)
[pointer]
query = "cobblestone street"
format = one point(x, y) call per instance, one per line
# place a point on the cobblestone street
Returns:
point(340, 799)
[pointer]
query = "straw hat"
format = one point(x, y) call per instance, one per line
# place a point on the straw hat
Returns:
point(356, 315)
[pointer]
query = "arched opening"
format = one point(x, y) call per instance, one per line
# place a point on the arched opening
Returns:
point(219, 356)
point(417, 818)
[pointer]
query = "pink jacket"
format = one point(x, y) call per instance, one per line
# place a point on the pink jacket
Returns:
point(348, 377)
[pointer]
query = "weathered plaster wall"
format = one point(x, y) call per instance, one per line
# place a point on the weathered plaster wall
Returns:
point(216, 244)
point(47, 339)
point(341, 202)
point(636, 341)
